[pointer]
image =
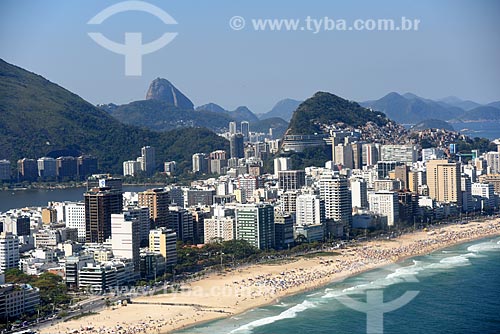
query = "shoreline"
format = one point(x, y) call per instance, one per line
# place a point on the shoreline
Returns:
point(222, 295)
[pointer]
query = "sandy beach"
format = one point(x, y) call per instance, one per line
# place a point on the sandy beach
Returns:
point(226, 294)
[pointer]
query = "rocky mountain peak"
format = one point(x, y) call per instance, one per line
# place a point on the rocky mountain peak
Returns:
point(163, 90)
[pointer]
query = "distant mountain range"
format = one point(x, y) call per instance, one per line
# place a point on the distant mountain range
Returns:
point(411, 109)
point(166, 108)
point(283, 109)
point(39, 117)
point(239, 114)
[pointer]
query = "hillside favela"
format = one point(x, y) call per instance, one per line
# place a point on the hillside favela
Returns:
point(249, 167)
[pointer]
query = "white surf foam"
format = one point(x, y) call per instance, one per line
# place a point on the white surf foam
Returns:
point(400, 275)
point(288, 314)
point(484, 247)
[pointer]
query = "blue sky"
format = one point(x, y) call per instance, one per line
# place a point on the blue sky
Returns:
point(456, 50)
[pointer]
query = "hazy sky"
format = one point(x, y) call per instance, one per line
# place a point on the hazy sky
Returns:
point(456, 50)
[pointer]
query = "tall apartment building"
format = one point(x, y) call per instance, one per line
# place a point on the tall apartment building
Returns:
point(87, 165)
point(343, 155)
point(217, 161)
point(232, 128)
point(245, 130)
point(288, 201)
point(200, 163)
point(27, 169)
point(5, 172)
point(255, 224)
point(283, 231)
point(282, 164)
point(126, 238)
point(164, 241)
point(47, 167)
point(141, 214)
point(466, 188)
point(74, 214)
point(218, 228)
point(291, 179)
point(334, 190)
point(386, 204)
point(359, 193)
point(237, 149)
point(443, 180)
point(17, 224)
point(67, 168)
point(310, 210)
point(100, 204)
point(157, 200)
point(9, 251)
point(370, 154)
point(485, 193)
point(131, 167)
point(181, 221)
point(401, 173)
point(148, 160)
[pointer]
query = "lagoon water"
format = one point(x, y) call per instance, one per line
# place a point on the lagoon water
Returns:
point(459, 292)
point(40, 197)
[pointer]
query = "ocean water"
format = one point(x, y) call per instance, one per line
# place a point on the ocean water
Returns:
point(490, 130)
point(458, 292)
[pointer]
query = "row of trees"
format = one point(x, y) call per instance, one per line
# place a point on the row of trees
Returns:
point(53, 292)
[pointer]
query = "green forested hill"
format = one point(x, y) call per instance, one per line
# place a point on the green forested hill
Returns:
point(326, 108)
point(38, 116)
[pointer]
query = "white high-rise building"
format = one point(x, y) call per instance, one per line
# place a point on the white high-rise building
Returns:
point(386, 204)
point(200, 163)
point(485, 192)
point(125, 238)
point(282, 164)
point(232, 128)
point(9, 251)
point(359, 193)
point(334, 190)
point(74, 214)
point(131, 167)
point(310, 210)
